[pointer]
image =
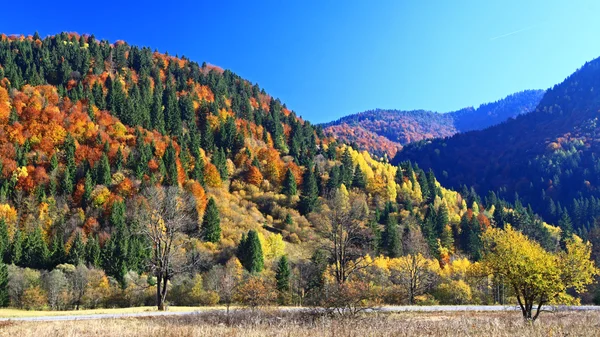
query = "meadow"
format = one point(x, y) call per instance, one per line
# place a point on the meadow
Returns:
point(249, 323)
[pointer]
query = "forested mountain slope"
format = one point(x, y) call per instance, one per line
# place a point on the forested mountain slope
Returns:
point(548, 157)
point(139, 172)
point(404, 127)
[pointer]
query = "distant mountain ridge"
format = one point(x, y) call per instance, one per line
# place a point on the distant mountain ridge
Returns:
point(548, 158)
point(404, 127)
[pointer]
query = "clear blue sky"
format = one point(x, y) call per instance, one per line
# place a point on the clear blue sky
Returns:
point(326, 59)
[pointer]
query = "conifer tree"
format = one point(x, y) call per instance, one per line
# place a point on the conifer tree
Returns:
point(4, 241)
point(103, 175)
point(92, 252)
point(77, 251)
point(16, 248)
point(211, 222)
point(347, 174)
point(114, 254)
point(58, 253)
point(289, 187)
point(88, 187)
point(282, 275)
point(4, 299)
point(310, 192)
point(198, 173)
point(359, 180)
point(250, 252)
point(170, 161)
point(220, 161)
point(391, 238)
point(35, 250)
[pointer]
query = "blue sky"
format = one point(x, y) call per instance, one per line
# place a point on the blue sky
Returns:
point(326, 59)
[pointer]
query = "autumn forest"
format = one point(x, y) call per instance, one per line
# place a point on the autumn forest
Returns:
point(130, 177)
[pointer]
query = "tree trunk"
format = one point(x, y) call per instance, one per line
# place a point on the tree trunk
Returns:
point(159, 302)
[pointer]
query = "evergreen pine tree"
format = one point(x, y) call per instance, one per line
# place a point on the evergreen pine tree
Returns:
point(220, 161)
point(359, 180)
point(103, 175)
point(35, 250)
point(198, 173)
point(4, 241)
point(77, 251)
point(170, 161)
point(310, 192)
point(289, 187)
point(282, 275)
point(88, 188)
point(211, 222)
point(250, 252)
point(92, 252)
point(16, 248)
point(391, 238)
point(4, 299)
point(58, 253)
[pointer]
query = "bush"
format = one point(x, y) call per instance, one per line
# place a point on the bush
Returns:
point(34, 298)
point(454, 292)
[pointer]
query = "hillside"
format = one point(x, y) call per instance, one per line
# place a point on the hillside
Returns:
point(404, 127)
point(126, 173)
point(548, 157)
point(88, 130)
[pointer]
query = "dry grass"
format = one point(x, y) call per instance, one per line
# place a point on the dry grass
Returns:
point(274, 323)
point(10, 312)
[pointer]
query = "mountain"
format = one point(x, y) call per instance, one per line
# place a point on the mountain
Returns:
point(144, 171)
point(89, 129)
point(547, 158)
point(404, 127)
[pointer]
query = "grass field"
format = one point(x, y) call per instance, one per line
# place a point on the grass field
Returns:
point(11, 313)
point(277, 323)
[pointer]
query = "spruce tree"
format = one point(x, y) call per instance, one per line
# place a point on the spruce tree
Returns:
point(359, 180)
point(92, 252)
point(346, 172)
point(198, 173)
point(35, 250)
point(16, 248)
point(4, 299)
point(88, 187)
point(282, 275)
point(310, 192)
point(77, 251)
point(103, 175)
point(250, 252)
point(4, 241)
point(289, 187)
point(220, 161)
point(391, 238)
point(211, 222)
point(170, 161)
point(58, 253)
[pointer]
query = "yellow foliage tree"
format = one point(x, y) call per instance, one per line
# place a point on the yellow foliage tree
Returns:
point(536, 276)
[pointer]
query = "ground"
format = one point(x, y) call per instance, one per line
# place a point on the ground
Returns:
point(287, 323)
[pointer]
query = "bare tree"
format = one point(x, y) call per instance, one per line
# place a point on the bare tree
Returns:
point(164, 215)
point(342, 221)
